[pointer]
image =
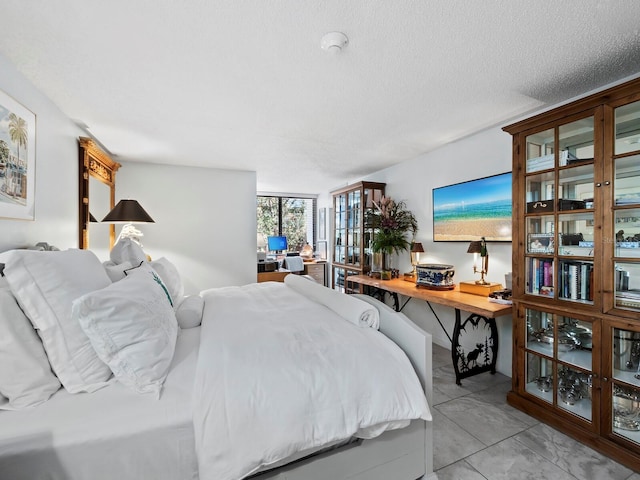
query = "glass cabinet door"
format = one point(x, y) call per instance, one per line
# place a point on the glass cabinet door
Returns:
point(559, 361)
point(625, 233)
point(560, 212)
point(540, 151)
point(340, 233)
point(371, 260)
point(625, 385)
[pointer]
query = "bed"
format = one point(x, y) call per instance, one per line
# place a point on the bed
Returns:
point(200, 423)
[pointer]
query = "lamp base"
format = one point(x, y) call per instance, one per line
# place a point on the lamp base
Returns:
point(410, 277)
point(477, 289)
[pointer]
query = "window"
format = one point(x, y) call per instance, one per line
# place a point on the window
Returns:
point(291, 216)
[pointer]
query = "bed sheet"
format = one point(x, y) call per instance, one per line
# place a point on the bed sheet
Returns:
point(111, 433)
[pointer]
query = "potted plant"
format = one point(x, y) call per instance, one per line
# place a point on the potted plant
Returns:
point(393, 222)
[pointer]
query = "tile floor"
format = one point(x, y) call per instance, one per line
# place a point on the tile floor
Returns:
point(478, 436)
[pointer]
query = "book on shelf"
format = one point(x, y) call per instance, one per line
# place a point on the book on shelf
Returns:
point(540, 278)
point(575, 280)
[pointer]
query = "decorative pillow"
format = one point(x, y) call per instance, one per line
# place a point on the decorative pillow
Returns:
point(25, 374)
point(189, 311)
point(132, 327)
point(116, 271)
point(45, 285)
point(171, 277)
point(126, 250)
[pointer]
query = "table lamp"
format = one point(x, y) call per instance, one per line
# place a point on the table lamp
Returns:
point(415, 251)
point(307, 252)
point(481, 266)
point(128, 212)
point(480, 248)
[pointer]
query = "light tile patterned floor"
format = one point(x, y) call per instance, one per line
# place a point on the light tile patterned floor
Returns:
point(478, 436)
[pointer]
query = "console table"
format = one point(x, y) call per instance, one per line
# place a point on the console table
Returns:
point(465, 364)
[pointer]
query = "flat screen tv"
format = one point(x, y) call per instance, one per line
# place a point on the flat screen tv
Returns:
point(477, 208)
point(277, 243)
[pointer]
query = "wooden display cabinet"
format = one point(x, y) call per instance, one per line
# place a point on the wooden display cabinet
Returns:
point(352, 237)
point(576, 270)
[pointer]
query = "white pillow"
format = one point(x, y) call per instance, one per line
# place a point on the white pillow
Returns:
point(171, 277)
point(25, 374)
point(132, 327)
point(189, 311)
point(45, 285)
point(116, 271)
point(126, 250)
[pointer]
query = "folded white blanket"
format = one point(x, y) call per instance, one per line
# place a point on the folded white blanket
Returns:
point(352, 309)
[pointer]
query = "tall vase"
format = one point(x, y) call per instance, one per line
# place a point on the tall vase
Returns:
point(387, 271)
point(377, 262)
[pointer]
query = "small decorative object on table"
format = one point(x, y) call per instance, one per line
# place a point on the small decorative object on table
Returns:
point(435, 276)
point(501, 296)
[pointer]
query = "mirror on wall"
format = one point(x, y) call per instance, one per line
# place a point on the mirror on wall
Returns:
point(97, 195)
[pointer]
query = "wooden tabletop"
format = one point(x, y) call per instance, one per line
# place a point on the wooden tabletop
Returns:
point(452, 298)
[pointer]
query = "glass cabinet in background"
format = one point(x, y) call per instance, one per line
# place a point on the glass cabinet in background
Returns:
point(352, 237)
point(576, 269)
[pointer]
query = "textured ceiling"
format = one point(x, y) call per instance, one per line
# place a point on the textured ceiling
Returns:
point(244, 84)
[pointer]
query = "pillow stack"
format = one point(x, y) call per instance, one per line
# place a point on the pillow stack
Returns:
point(45, 285)
point(132, 328)
point(69, 320)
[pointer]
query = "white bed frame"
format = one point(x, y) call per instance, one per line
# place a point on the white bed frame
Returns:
point(405, 454)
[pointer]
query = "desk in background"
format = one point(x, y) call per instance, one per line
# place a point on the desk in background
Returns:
point(276, 276)
point(465, 364)
point(316, 270)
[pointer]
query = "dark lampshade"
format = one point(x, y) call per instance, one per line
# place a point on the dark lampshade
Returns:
point(416, 247)
point(128, 211)
point(475, 247)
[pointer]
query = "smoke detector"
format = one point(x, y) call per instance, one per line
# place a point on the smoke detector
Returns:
point(334, 42)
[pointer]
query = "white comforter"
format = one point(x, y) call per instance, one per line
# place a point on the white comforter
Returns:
point(279, 374)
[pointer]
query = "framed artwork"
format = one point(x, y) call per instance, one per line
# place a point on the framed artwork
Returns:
point(322, 224)
point(17, 159)
point(469, 210)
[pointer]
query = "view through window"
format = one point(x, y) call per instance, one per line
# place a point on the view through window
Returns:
point(292, 217)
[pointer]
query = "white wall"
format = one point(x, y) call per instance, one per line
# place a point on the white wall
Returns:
point(483, 154)
point(205, 220)
point(56, 180)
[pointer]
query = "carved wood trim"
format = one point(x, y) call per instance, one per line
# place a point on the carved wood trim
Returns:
point(94, 162)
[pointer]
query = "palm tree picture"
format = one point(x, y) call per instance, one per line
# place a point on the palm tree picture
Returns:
point(17, 168)
point(17, 162)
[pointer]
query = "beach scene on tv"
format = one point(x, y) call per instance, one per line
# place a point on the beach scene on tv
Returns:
point(469, 210)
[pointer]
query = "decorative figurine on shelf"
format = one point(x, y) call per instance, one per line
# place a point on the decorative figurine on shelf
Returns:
point(393, 221)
